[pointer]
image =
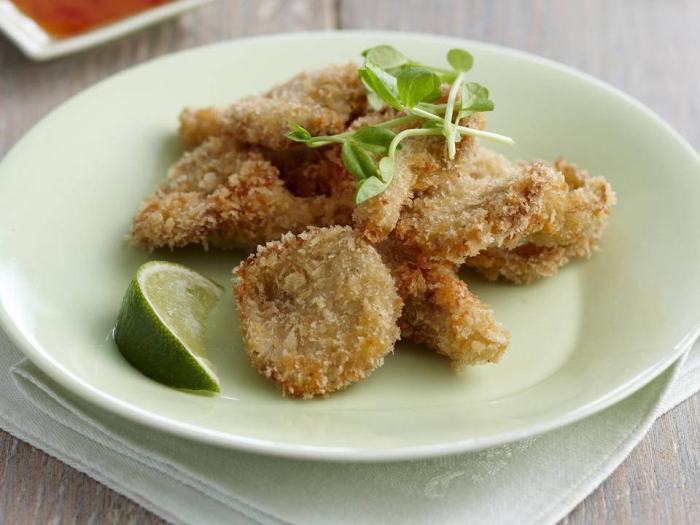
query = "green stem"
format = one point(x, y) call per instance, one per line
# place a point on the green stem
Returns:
point(419, 112)
point(432, 107)
point(324, 140)
point(448, 126)
point(463, 130)
point(397, 121)
point(413, 132)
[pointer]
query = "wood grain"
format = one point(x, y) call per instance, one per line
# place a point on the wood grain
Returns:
point(647, 48)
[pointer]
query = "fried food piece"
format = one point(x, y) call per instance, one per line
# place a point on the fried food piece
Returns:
point(581, 215)
point(232, 196)
point(441, 312)
point(458, 216)
point(318, 310)
point(197, 125)
point(419, 158)
point(576, 221)
point(173, 220)
point(524, 264)
point(324, 102)
point(206, 167)
point(377, 217)
point(253, 207)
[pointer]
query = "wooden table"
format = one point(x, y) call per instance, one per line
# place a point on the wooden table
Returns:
point(649, 48)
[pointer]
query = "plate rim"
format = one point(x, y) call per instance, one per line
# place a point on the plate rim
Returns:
point(87, 393)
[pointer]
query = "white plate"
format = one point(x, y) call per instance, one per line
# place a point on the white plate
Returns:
point(39, 45)
point(581, 340)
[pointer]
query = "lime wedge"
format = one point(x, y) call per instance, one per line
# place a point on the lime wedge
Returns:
point(161, 325)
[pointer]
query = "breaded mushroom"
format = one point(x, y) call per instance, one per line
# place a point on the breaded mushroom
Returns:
point(460, 216)
point(441, 312)
point(526, 263)
point(419, 158)
point(575, 221)
point(198, 124)
point(324, 101)
point(318, 310)
point(231, 196)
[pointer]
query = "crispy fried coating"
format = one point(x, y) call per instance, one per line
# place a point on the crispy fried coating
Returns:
point(419, 158)
point(459, 216)
point(173, 220)
point(524, 264)
point(377, 217)
point(318, 310)
point(441, 312)
point(324, 102)
point(581, 215)
point(206, 167)
point(197, 125)
point(232, 196)
point(576, 221)
point(254, 206)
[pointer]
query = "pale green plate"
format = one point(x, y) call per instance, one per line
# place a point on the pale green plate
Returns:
point(581, 341)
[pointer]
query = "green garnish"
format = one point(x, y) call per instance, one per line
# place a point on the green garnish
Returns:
point(394, 80)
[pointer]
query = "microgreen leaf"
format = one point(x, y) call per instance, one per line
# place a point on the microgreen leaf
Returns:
point(409, 87)
point(369, 188)
point(373, 139)
point(460, 59)
point(475, 97)
point(385, 57)
point(382, 83)
point(358, 162)
point(386, 169)
point(415, 84)
point(298, 133)
point(374, 100)
point(447, 77)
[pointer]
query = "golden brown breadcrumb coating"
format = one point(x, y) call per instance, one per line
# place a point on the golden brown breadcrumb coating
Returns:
point(575, 222)
point(318, 310)
point(377, 217)
point(524, 264)
point(197, 125)
point(173, 220)
point(419, 157)
point(224, 194)
point(581, 214)
point(253, 207)
point(208, 165)
point(440, 311)
point(459, 216)
point(323, 101)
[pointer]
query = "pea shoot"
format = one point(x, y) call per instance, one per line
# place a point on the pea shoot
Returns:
point(392, 79)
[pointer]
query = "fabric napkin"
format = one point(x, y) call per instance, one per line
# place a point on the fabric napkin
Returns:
point(538, 480)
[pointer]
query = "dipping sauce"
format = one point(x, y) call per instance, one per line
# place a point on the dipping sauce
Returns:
point(68, 17)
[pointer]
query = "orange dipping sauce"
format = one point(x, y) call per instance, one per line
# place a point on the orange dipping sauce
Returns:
point(68, 17)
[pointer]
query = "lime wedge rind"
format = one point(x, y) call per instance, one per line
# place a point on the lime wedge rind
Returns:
point(161, 325)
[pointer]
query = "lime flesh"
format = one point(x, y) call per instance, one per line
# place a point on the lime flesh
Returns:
point(161, 325)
